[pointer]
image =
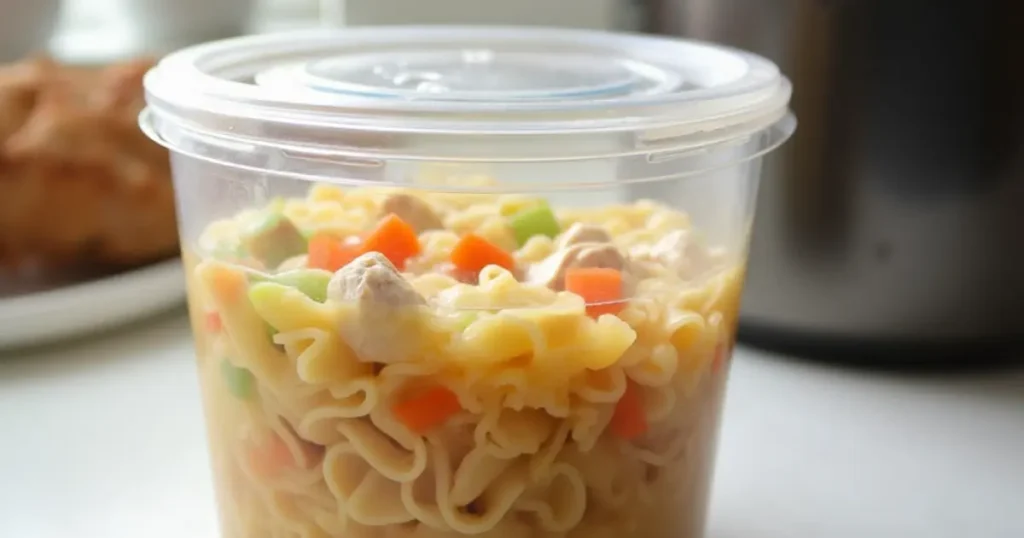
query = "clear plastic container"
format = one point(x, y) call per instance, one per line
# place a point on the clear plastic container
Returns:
point(464, 281)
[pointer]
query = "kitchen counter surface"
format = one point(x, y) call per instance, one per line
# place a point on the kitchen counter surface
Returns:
point(103, 438)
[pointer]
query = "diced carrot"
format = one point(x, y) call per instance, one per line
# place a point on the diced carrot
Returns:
point(272, 458)
point(395, 239)
point(229, 285)
point(329, 253)
point(213, 322)
point(472, 253)
point(428, 409)
point(600, 287)
point(321, 251)
point(628, 420)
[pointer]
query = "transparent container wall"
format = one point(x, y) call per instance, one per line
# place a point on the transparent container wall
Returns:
point(563, 379)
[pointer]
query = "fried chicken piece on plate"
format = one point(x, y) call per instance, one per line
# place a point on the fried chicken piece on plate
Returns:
point(79, 181)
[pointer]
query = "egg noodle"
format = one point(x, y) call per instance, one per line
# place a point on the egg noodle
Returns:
point(529, 453)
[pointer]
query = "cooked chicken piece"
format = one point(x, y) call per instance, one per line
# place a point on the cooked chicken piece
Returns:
point(683, 254)
point(551, 271)
point(411, 209)
point(372, 279)
point(379, 321)
point(582, 233)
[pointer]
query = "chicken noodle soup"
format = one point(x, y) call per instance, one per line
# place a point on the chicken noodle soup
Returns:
point(451, 282)
point(379, 362)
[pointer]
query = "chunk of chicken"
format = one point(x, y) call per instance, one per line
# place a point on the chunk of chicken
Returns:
point(411, 209)
point(582, 233)
point(551, 271)
point(684, 255)
point(373, 279)
point(379, 320)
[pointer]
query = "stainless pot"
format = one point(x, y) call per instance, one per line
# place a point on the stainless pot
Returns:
point(896, 214)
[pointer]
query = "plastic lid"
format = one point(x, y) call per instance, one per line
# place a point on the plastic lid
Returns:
point(465, 93)
point(479, 75)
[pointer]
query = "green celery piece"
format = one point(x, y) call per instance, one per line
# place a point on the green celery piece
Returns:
point(272, 238)
point(538, 220)
point(240, 381)
point(259, 285)
point(263, 220)
point(311, 282)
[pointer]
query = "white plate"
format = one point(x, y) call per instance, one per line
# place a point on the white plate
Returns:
point(92, 306)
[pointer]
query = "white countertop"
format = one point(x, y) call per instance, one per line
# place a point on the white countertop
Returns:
point(103, 438)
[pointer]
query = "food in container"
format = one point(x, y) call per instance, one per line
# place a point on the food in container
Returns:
point(454, 281)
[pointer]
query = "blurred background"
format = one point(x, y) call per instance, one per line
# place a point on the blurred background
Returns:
point(890, 226)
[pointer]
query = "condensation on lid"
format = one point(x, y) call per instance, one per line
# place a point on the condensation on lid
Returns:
point(382, 90)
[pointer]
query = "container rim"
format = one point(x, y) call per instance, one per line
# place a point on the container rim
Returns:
point(777, 133)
